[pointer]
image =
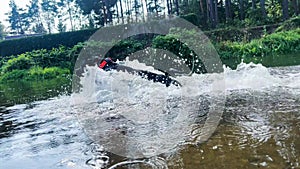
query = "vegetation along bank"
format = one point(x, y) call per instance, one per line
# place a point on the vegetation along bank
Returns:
point(59, 61)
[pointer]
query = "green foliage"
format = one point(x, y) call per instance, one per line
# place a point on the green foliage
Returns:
point(18, 18)
point(13, 75)
point(53, 72)
point(60, 57)
point(50, 9)
point(56, 57)
point(19, 63)
point(34, 73)
point(94, 9)
point(290, 24)
point(232, 34)
point(37, 73)
point(254, 17)
point(276, 43)
point(47, 64)
point(282, 42)
point(122, 49)
point(192, 17)
point(172, 43)
point(40, 63)
point(274, 12)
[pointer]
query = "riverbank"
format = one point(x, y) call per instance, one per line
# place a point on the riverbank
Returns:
point(270, 50)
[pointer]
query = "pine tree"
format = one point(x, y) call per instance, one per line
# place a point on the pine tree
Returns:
point(2, 33)
point(69, 7)
point(34, 14)
point(17, 18)
point(50, 10)
point(61, 27)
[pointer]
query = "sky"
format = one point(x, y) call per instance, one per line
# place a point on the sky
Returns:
point(4, 8)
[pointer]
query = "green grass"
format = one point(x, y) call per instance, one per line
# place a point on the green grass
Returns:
point(34, 73)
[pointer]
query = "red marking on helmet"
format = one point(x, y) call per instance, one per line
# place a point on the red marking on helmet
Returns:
point(102, 64)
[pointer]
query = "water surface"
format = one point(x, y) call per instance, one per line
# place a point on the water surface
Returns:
point(260, 127)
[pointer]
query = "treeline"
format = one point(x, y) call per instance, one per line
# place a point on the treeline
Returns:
point(47, 16)
point(47, 64)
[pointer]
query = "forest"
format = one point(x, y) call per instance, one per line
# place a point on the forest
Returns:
point(51, 16)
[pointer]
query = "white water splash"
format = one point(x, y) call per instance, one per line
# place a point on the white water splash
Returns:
point(136, 117)
point(139, 118)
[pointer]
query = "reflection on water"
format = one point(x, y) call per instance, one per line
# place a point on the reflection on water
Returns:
point(25, 92)
point(260, 129)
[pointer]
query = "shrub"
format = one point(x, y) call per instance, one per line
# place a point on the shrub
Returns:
point(172, 43)
point(14, 75)
point(276, 43)
point(292, 23)
point(19, 63)
point(35, 73)
point(54, 72)
point(282, 42)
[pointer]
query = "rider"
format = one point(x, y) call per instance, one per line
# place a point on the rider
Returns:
point(108, 64)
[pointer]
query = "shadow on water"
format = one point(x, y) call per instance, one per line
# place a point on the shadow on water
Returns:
point(20, 92)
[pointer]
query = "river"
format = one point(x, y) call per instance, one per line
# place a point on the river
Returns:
point(259, 128)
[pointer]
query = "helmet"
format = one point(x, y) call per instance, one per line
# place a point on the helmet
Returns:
point(107, 64)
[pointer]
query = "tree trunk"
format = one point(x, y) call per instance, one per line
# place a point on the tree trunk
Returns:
point(201, 7)
point(70, 15)
point(168, 7)
point(136, 9)
point(253, 4)
point(122, 14)
point(177, 7)
point(171, 6)
point(155, 6)
point(143, 10)
point(127, 11)
point(263, 9)
point(228, 10)
point(285, 9)
point(211, 13)
point(242, 10)
point(208, 11)
point(295, 6)
point(118, 13)
point(216, 12)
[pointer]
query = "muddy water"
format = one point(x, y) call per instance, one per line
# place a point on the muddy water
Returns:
point(260, 128)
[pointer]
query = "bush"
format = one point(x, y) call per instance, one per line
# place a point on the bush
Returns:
point(172, 43)
point(62, 57)
point(282, 42)
point(290, 24)
point(53, 72)
point(276, 43)
point(35, 73)
point(14, 75)
point(19, 63)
